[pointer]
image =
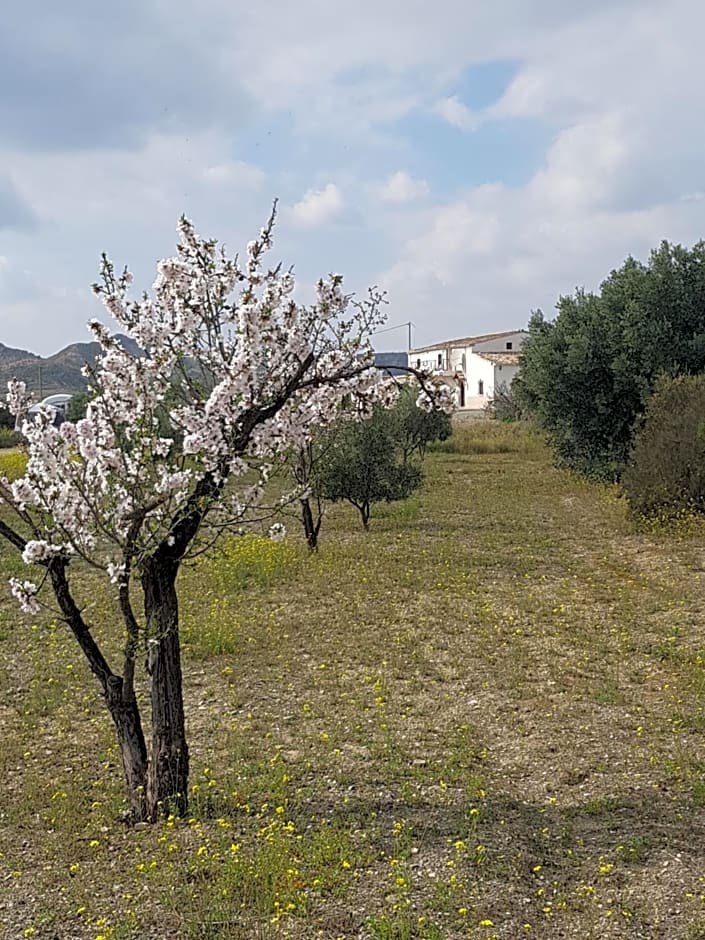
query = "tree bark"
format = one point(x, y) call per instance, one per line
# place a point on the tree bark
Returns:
point(128, 727)
point(311, 527)
point(167, 776)
point(365, 514)
point(121, 702)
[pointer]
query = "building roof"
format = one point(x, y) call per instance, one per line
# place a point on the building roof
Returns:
point(393, 363)
point(510, 358)
point(465, 341)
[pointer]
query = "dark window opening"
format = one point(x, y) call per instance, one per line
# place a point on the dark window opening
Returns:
point(509, 345)
point(480, 387)
point(440, 358)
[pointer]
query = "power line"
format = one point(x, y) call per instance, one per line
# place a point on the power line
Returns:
point(399, 326)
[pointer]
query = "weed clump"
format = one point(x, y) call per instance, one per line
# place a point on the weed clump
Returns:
point(665, 476)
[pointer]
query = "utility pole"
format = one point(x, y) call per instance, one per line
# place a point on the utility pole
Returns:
point(41, 384)
point(388, 329)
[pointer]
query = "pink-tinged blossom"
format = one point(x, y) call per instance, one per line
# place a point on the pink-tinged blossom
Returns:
point(116, 573)
point(232, 373)
point(38, 551)
point(17, 398)
point(25, 593)
point(436, 396)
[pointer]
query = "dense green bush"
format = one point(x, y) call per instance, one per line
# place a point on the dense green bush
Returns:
point(76, 407)
point(9, 438)
point(373, 461)
point(587, 375)
point(415, 428)
point(364, 463)
point(666, 469)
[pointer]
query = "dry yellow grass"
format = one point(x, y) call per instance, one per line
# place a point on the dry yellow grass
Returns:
point(484, 718)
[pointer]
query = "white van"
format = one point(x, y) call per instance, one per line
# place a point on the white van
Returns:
point(56, 403)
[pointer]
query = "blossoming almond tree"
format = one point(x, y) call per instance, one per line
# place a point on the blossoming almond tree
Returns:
point(239, 373)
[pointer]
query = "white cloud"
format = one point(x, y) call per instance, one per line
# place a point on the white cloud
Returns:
point(234, 173)
point(318, 206)
point(400, 188)
point(610, 82)
point(487, 259)
point(623, 171)
point(586, 167)
point(125, 203)
point(456, 113)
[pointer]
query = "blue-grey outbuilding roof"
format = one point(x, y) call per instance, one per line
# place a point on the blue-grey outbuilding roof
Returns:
point(389, 360)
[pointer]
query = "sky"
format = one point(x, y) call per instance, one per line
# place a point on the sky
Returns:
point(475, 160)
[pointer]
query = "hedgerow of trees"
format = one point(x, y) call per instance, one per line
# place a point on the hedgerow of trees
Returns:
point(587, 375)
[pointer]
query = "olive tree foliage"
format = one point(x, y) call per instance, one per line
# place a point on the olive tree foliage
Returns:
point(77, 406)
point(362, 462)
point(587, 375)
point(245, 374)
point(413, 427)
point(374, 463)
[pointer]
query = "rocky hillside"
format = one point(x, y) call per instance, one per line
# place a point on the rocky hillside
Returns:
point(58, 373)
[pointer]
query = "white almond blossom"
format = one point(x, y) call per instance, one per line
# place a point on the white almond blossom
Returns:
point(230, 374)
point(277, 532)
point(25, 592)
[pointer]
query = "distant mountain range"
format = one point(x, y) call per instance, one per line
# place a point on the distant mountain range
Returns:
point(62, 371)
point(58, 373)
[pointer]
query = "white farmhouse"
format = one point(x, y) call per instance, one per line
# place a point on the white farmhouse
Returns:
point(474, 366)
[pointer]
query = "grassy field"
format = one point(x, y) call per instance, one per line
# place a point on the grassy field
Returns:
point(484, 718)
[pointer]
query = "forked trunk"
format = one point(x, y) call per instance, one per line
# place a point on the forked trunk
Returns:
point(128, 726)
point(311, 526)
point(167, 776)
point(119, 695)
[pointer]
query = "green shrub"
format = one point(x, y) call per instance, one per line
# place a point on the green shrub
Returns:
point(9, 438)
point(415, 428)
point(586, 376)
point(77, 405)
point(364, 463)
point(666, 469)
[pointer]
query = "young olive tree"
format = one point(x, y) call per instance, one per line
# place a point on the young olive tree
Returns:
point(244, 373)
point(364, 463)
point(371, 461)
point(415, 427)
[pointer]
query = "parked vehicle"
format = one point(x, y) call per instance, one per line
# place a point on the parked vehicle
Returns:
point(56, 403)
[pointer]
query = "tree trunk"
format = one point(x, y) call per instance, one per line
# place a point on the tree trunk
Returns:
point(365, 514)
point(119, 696)
point(167, 777)
point(128, 726)
point(311, 528)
